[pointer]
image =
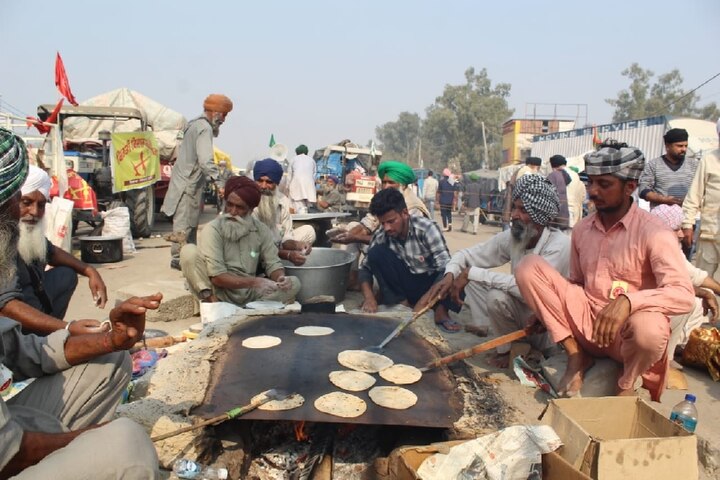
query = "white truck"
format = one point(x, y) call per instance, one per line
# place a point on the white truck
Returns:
point(645, 134)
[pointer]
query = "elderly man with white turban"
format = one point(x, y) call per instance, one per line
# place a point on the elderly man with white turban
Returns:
point(40, 296)
point(627, 276)
point(62, 425)
point(493, 297)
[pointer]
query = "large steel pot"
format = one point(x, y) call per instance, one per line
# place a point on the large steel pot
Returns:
point(325, 272)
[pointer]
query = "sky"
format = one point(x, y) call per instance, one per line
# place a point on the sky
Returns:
point(317, 72)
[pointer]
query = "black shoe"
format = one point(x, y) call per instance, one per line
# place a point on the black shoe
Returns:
point(175, 264)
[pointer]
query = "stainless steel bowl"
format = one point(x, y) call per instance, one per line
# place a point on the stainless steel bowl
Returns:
point(325, 272)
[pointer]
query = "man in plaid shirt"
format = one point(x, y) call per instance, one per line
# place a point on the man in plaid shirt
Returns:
point(407, 255)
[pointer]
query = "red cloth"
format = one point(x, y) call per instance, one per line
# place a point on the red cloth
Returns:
point(78, 191)
point(61, 81)
point(44, 129)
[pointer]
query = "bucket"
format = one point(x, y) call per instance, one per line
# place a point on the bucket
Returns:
point(325, 272)
point(101, 249)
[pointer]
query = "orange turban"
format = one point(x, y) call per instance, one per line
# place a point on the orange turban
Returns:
point(216, 102)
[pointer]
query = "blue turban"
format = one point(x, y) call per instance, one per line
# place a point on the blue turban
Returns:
point(334, 179)
point(268, 168)
point(13, 164)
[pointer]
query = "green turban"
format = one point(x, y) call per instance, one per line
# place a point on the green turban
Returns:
point(301, 150)
point(13, 164)
point(400, 172)
point(474, 177)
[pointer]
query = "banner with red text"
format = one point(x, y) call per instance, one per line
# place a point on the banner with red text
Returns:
point(135, 160)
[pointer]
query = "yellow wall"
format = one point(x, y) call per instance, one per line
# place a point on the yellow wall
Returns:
point(511, 152)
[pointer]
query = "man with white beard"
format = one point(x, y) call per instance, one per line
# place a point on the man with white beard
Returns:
point(232, 247)
point(40, 297)
point(294, 244)
point(62, 425)
point(493, 297)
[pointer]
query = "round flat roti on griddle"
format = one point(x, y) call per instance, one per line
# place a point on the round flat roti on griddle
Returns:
point(351, 380)
point(261, 341)
point(401, 374)
point(313, 331)
point(397, 398)
point(341, 404)
point(293, 401)
point(363, 361)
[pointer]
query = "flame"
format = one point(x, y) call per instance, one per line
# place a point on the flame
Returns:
point(300, 434)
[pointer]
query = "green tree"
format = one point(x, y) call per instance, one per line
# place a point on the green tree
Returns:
point(665, 96)
point(452, 132)
point(399, 139)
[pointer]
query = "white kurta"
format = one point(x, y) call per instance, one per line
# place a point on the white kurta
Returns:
point(302, 179)
point(493, 297)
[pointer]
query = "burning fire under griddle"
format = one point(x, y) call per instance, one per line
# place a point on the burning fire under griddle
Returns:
point(298, 443)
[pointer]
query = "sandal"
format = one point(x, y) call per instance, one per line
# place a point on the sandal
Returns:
point(449, 326)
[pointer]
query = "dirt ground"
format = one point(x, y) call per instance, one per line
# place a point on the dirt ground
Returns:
point(149, 266)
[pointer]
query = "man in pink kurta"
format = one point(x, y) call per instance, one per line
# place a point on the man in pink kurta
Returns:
point(627, 277)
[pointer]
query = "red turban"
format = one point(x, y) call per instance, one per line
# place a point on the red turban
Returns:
point(244, 188)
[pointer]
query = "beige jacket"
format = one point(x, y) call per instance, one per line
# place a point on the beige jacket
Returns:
point(704, 198)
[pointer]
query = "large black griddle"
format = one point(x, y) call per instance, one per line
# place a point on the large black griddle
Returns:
point(302, 364)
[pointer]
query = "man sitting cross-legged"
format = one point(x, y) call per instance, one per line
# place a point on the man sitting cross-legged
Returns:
point(627, 276)
point(224, 265)
point(493, 297)
point(407, 254)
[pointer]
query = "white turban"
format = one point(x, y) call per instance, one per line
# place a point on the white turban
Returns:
point(38, 180)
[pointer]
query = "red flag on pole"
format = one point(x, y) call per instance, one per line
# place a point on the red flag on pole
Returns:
point(61, 81)
point(41, 127)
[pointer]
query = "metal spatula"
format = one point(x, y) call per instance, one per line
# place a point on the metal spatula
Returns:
point(401, 327)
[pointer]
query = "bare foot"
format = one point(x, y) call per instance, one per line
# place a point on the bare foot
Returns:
point(500, 360)
point(571, 383)
point(630, 392)
point(480, 331)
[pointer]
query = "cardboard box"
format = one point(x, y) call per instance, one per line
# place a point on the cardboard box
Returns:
point(555, 467)
point(403, 463)
point(609, 438)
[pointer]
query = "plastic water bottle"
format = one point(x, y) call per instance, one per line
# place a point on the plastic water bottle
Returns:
point(191, 470)
point(685, 414)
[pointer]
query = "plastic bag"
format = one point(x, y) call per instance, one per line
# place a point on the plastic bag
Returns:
point(703, 350)
point(211, 312)
point(117, 224)
point(59, 223)
point(513, 453)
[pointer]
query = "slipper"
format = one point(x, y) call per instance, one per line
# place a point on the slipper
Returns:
point(449, 326)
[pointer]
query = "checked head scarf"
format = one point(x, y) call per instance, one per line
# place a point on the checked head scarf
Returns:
point(624, 162)
point(539, 197)
point(13, 164)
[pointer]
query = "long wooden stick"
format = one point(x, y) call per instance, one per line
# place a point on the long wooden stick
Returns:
point(229, 415)
point(482, 347)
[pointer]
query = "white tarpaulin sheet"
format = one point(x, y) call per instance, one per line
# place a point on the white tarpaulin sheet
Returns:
point(166, 123)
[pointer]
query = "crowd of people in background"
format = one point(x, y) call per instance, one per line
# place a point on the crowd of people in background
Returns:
point(599, 267)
